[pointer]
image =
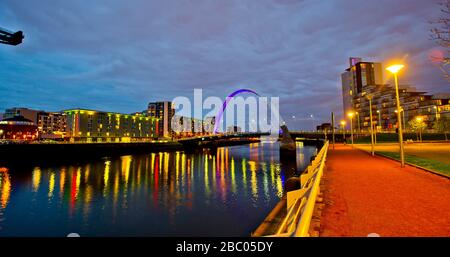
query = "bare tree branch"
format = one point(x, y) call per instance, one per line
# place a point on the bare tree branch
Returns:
point(440, 33)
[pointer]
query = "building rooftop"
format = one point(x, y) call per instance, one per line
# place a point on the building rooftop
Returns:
point(90, 111)
point(17, 120)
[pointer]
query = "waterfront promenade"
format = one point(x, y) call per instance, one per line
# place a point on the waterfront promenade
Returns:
point(364, 194)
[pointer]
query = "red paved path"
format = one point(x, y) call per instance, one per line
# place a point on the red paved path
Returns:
point(365, 194)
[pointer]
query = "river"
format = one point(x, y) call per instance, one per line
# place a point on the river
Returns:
point(227, 192)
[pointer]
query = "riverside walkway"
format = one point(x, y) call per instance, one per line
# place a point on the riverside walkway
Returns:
point(364, 194)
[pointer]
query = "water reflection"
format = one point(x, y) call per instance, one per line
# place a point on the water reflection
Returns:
point(5, 187)
point(230, 190)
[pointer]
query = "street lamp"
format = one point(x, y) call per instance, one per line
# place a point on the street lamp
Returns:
point(379, 125)
point(350, 115)
point(403, 117)
point(419, 124)
point(379, 119)
point(343, 128)
point(359, 128)
point(436, 112)
point(394, 69)
point(371, 124)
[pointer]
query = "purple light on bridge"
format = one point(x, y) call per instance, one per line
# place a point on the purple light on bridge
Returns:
point(224, 106)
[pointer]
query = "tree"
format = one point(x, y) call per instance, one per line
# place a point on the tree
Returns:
point(442, 125)
point(417, 125)
point(440, 33)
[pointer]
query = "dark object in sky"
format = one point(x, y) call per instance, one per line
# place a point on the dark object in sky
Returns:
point(10, 38)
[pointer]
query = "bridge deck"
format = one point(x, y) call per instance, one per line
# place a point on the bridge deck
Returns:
point(365, 194)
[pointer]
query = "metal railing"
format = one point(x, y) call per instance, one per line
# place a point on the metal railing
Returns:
point(301, 202)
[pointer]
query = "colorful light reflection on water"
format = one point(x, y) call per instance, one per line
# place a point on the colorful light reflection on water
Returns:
point(222, 193)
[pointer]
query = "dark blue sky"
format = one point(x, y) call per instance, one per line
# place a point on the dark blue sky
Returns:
point(119, 55)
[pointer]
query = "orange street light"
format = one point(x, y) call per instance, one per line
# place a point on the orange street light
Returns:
point(394, 69)
point(350, 115)
point(419, 120)
point(343, 123)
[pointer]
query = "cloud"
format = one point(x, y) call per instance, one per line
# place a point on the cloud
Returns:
point(119, 55)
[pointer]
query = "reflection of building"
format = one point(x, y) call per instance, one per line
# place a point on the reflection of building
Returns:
point(363, 79)
point(98, 126)
point(19, 128)
point(52, 125)
point(164, 112)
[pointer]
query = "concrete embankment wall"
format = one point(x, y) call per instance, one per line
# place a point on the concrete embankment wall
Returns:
point(35, 151)
point(76, 151)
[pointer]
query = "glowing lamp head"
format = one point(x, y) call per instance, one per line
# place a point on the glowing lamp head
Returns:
point(343, 122)
point(395, 68)
point(419, 119)
point(350, 114)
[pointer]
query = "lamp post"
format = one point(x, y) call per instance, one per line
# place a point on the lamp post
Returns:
point(379, 125)
point(419, 121)
point(371, 124)
point(379, 119)
point(350, 115)
point(343, 129)
point(402, 112)
point(359, 128)
point(394, 69)
point(403, 117)
point(436, 112)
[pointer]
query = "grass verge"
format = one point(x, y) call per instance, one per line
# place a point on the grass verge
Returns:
point(432, 165)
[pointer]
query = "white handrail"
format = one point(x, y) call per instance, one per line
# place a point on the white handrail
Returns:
point(304, 211)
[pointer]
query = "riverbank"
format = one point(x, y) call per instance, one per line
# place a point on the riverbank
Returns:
point(45, 152)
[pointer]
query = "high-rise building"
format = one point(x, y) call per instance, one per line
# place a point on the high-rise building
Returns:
point(356, 77)
point(364, 79)
point(99, 126)
point(164, 112)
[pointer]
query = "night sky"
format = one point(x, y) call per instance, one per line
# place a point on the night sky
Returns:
point(119, 55)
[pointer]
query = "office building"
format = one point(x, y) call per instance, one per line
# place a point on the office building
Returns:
point(99, 126)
